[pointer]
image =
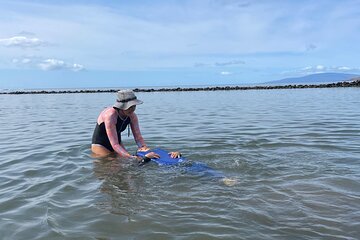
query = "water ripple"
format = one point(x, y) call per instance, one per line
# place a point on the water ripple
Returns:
point(294, 155)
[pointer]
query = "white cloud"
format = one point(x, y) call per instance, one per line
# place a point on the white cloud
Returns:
point(229, 63)
point(77, 67)
point(320, 68)
point(202, 65)
point(49, 64)
point(26, 60)
point(26, 33)
point(22, 41)
point(345, 69)
point(207, 27)
point(56, 64)
point(179, 32)
point(226, 73)
point(52, 64)
point(323, 69)
point(23, 62)
point(220, 64)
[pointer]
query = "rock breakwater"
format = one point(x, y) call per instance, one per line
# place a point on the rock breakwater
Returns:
point(354, 83)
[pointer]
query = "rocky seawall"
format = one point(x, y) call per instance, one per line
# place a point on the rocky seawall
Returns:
point(353, 83)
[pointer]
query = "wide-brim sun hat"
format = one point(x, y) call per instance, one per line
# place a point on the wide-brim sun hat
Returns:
point(125, 99)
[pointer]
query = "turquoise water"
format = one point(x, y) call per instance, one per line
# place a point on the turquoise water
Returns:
point(295, 155)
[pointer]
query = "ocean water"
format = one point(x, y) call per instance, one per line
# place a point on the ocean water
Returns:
point(294, 154)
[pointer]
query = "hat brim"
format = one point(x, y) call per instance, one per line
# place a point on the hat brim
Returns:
point(126, 105)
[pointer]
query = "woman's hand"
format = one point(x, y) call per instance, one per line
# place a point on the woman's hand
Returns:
point(175, 154)
point(152, 155)
point(143, 149)
point(147, 158)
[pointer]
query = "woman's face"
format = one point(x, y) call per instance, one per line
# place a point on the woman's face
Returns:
point(130, 110)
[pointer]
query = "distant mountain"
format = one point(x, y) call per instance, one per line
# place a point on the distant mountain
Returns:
point(316, 78)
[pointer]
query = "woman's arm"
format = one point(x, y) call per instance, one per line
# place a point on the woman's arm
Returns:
point(134, 124)
point(110, 126)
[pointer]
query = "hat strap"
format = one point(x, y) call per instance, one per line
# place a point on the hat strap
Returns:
point(126, 100)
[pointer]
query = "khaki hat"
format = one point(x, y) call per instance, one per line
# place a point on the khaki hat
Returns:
point(125, 99)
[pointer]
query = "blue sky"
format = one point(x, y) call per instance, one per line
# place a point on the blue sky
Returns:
point(83, 44)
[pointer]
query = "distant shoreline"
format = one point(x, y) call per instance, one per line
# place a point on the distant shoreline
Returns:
point(354, 83)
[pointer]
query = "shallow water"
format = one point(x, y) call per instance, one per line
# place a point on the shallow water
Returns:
point(295, 155)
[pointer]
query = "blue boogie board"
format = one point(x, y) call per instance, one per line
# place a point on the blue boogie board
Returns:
point(194, 167)
point(164, 159)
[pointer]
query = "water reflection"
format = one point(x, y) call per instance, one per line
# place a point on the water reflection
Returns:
point(121, 183)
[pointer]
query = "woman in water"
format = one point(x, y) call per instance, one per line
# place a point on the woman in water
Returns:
point(112, 121)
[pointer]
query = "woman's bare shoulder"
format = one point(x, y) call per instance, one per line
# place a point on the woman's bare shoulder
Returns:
point(108, 113)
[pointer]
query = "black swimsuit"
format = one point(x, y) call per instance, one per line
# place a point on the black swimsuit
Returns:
point(100, 136)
